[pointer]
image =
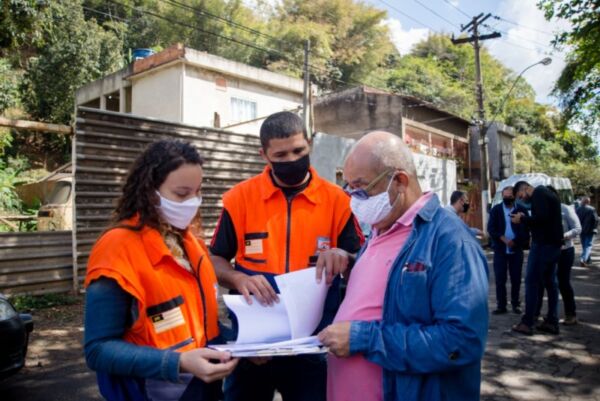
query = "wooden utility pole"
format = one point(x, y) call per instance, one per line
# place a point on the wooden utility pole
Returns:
point(476, 38)
point(306, 94)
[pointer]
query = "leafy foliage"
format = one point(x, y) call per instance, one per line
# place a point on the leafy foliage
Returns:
point(444, 74)
point(30, 303)
point(9, 178)
point(9, 85)
point(50, 48)
point(348, 40)
point(579, 83)
point(81, 50)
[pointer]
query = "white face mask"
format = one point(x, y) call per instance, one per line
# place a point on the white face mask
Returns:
point(373, 209)
point(179, 214)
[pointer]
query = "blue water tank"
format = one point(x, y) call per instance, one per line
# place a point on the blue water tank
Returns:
point(141, 53)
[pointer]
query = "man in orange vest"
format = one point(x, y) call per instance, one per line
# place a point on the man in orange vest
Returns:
point(277, 222)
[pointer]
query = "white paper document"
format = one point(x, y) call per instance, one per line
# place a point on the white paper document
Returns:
point(306, 345)
point(283, 328)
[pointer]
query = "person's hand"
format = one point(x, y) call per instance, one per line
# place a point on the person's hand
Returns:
point(207, 364)
point(510, 243)
point(337, 337)
point(256, 285)
point(333, 262)
point(516, 217)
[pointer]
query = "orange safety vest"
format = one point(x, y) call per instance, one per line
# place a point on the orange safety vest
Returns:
point(275, 235)
point(176, 309)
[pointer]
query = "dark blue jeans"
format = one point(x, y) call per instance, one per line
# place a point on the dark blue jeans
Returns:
point(586, 247)
point(298, 378)
point(505, 264)
point(563, 274)
point(541, 272)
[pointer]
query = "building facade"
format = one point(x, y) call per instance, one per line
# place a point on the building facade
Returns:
point(187, 86)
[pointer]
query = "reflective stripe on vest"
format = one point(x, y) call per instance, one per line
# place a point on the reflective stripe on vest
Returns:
point(177, 309)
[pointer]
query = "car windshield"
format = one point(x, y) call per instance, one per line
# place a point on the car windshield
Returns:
point(60, 193)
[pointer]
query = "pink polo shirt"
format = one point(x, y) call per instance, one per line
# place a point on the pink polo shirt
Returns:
point(354, 378)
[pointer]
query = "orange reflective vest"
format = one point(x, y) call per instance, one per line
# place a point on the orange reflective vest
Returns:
point(176, 309)
point(276, 235)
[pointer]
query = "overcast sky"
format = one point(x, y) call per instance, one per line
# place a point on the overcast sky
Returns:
point(525, 39)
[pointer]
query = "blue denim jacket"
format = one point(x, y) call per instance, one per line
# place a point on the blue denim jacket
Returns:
point(432, 337)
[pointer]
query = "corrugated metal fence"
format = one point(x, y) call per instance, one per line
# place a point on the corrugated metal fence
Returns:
point(107, 143)
point(36, 262)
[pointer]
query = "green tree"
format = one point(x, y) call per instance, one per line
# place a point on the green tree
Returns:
point(584, 175)
point(348, 40)
point(440, 72)
point(76, 52)
point(537, 155)
point(9, 85)
point(579, 83)
point(19, 25)
point(221, 27)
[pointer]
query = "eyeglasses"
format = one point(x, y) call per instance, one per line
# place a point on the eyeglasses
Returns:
point(363, 193)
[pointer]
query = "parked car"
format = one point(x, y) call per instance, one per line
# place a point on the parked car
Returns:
point(14, 336)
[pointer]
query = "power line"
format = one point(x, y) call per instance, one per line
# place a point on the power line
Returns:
point(436, 13)
point(243, 43)
point(519, 36)
point(406, 15)
point(523, 26)
point(458, 8)
point(104, 13)
point(219, 18)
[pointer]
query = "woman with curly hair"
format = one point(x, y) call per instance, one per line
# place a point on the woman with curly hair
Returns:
point(151, 298)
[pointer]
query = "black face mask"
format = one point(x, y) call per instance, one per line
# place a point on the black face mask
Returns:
point(292, 173)
point(508, 202)
point(466, 207)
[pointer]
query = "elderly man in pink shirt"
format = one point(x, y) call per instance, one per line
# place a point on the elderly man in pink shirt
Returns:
point(414, 321)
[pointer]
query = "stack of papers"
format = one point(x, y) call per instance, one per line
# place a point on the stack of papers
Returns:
point(284, 328)
point(306, 345)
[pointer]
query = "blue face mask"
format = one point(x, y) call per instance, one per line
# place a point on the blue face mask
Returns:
point(524, 204)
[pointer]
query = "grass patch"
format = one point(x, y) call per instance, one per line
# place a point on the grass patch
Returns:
point(28, 303)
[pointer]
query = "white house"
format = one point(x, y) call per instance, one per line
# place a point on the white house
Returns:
point(187, 86)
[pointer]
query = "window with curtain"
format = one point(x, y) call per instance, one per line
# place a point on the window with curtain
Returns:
point(242, 110)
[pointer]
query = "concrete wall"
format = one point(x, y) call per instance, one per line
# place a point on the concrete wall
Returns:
point(351, 113)
point(94, 93)
point(158, 94)
point(434, 174)
point(207, 92)
point(328, 154)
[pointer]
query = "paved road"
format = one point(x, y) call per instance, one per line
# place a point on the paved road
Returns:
point(547, 367)
point(537, 368)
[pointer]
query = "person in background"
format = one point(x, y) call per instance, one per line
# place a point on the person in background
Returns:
point(545, 224)
point(459, 204)
point(277, 222)
point(151, 291)
point(589, 228)
point(571, 228)
point(414, 322)
point(508, 241)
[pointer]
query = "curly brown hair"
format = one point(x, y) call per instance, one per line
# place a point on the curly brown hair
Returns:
point(146, 175)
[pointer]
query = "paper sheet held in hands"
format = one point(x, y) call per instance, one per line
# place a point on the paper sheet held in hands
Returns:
point(285, 327)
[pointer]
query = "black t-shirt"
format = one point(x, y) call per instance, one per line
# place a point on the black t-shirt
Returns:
point(224, 241)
